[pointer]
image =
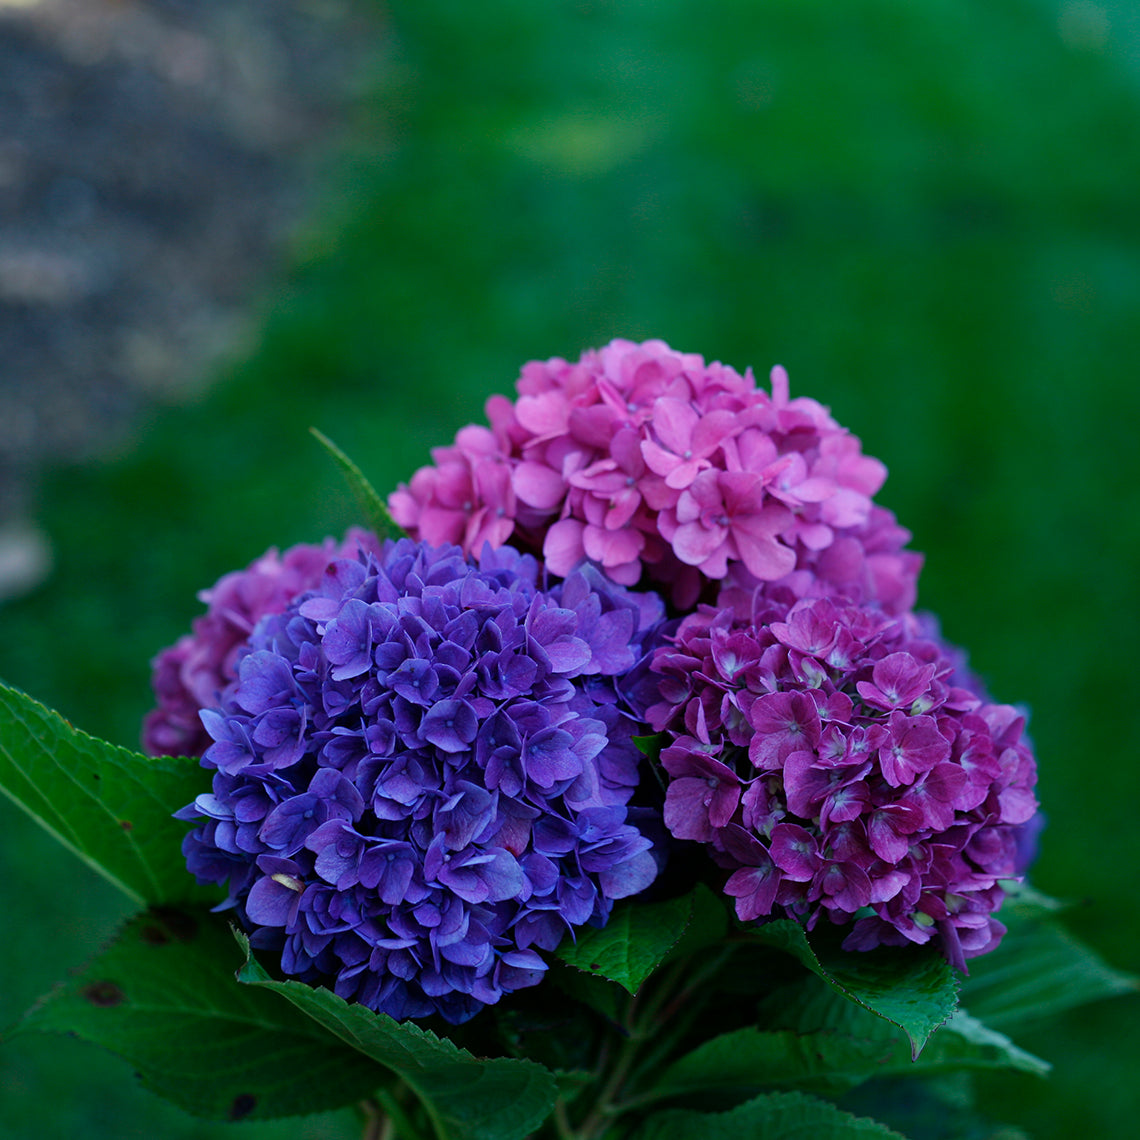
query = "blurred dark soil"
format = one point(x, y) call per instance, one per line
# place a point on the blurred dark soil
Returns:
point(154, 154)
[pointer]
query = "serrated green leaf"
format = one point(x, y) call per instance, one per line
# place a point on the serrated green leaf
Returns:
point(982, 1047)
point(913, 988)
point(163, 996)
point(632, 944)
point(830, 1045)
point(747, 1060)
point(112, 807)
point(775, 1116)
point(707, 926)
point(592, 990)
point(1038, 970)
point(468, 1098)
point(376, 513)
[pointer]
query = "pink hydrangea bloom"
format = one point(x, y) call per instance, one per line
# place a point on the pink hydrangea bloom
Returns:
point(842, 766)
point(648, 461)
point(190, 675)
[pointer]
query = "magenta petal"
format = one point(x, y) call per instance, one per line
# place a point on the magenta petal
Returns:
point(794, 851)
point(623, 506)
point(687, 809)
point(1018, 805)
point(674, 421)
point(563, 549)
point(657, 459)
point(538, 486)
point(766, 559)
point(544, 415)
point(847, 885)
point(885, 837)
point(694, 544)
point(612, 547)
point(754, 889)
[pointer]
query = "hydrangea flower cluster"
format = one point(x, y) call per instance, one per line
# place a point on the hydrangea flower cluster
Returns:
point(834, 763)
point(423, 771)
point(190, 675)
point(643, 459)
point(424, 768)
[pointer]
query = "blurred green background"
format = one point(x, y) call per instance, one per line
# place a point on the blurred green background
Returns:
point(928, 212)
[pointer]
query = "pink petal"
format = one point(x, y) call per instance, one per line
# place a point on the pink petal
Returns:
point(610, 547)
point(673, 421)
point(544, 415)
point(846, 508)
point(439, 526)
point(657, 459)
point(538, 485)
point(694, 544)
point(562, 548)
point(766, 559)
point(622, 508)
point(712, 429)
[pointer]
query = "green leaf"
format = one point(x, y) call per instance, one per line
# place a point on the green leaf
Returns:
point(775, 1116)
point(650, 745)
point(940, 1107)
point(970, 1043)
point(1038, 970)
point(819, 1042)
point(708, 924)
point(911, 987)
point(747, 1060)
point(544, 1027)
point(375, 510)
point(467, 1097)
point(592, 990)
point(112, 807)
point(632, 944)
point(163, 996)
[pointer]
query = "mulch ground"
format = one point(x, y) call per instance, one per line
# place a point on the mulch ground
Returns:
point(153, 158)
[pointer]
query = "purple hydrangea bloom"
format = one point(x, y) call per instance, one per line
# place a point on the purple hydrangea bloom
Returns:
point(836, 764)
point(422, 772)
point(189, 675)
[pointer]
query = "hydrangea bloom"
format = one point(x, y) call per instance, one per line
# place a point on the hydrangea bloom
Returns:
point(423, 772)
point(190, 675)
point(831, 758)
point(640, 458)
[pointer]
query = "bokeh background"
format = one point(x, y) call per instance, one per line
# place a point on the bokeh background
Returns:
point(928, 212)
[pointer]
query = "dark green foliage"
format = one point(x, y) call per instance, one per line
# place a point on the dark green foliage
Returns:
point(927, 212)
point(913, 989)
point(632, 944)
point(110, 806)
point(163, 997)
point(776, 1116)
point(467, 1098)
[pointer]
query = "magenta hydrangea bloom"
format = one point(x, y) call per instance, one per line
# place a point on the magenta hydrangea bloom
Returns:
point(190, 675)
point(833, 760)
point(645, 460)
point(423, 774)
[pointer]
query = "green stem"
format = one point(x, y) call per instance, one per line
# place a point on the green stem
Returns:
point(599, 1115)
point(670, 1009)
point(373, 1119)
point(562, 1125)
point(397, 1122)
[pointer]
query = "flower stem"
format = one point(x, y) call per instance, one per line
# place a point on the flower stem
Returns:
point(599, 1116)
point(387, 1119)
